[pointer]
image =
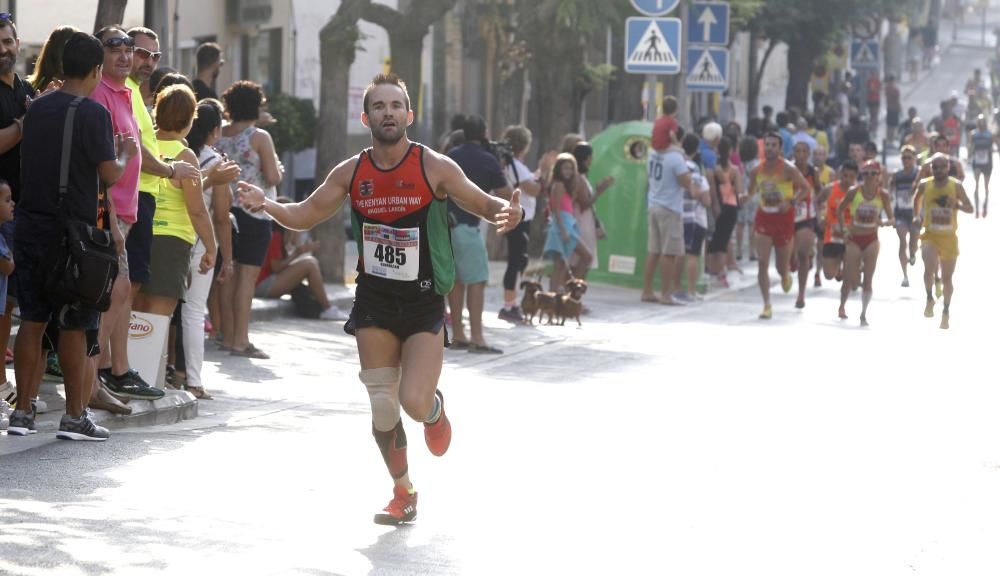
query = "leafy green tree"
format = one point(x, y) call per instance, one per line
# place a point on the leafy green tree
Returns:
point(557, 33)
point(295, 129)
point(809, 28)
point(338, 40)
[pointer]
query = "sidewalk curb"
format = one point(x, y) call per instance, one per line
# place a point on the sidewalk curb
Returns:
point(175, 406)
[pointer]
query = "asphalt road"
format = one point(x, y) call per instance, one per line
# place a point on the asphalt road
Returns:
point(651, 440)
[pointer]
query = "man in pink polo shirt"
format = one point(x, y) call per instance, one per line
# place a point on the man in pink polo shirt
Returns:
point(114, 95)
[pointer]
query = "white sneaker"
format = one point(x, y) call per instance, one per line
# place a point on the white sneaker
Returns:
point(5, 408)
point(40, 406)
point(8, 393)
point(4, 422)
point(333, 313)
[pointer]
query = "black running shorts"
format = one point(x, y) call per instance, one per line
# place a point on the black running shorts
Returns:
point(833, 250)
point(402, 317)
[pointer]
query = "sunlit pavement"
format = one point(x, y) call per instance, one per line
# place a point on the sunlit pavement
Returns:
point(695, 441)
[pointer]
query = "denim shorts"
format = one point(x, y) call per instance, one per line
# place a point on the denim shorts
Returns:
point(35, 307)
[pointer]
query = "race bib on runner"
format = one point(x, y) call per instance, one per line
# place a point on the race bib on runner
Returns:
point(391, 253)
point(904, 199)
point(981, 157)
point(866, 216)
point(801, 211)
point(941, 219)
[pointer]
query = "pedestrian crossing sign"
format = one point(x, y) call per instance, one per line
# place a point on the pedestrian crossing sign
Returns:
point(864, 53)
point(652, 45)
point(707, 69)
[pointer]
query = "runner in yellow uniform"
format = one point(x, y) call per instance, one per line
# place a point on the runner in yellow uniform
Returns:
point(865, 204)
point(935, 203)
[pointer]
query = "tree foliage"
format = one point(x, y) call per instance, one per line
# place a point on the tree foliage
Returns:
point(810, 27)
point(295, 129)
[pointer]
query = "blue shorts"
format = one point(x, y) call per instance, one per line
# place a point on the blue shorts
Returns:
point(139, 243)
point(471, 266)
point(35, 307)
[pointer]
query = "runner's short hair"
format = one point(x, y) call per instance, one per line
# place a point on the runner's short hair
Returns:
point(9, 23)
point(133, 32)
point(849, 164)
point(81, 54)
point(387, 78)
point(773, 134)
point(207, 54)
point(100, 34)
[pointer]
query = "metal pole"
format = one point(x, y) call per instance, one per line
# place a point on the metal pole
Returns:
point(651, 97)
point(983, 41)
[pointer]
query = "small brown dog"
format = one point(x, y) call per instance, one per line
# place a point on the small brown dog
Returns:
point(529, 303)
point(570, 304)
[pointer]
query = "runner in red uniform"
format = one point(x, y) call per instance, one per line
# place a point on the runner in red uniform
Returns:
point(398, 192)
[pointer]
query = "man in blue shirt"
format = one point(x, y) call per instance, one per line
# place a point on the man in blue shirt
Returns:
point(471, 265)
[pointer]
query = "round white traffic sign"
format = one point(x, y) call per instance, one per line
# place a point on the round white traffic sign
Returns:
point(866, 28)
point(655, 7)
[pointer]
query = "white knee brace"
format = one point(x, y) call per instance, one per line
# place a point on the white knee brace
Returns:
point(383, 391)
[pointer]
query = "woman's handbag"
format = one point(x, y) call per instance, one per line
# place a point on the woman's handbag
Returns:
point(81, 268)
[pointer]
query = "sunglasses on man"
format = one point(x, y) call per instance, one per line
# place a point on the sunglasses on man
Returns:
point(6, 17)
point(147, 54)
point(119, 41)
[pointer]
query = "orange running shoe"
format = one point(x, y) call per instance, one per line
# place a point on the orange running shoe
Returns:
point(438, 434)
point(402, 508)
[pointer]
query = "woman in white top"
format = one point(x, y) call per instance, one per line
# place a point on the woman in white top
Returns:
point(204, 133)
point(253, 150)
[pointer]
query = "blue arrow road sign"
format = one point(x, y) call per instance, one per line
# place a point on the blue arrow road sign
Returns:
point(708, 23)
point(864, 53)
point(655, 7)
point(707, 69)
point(653, 45)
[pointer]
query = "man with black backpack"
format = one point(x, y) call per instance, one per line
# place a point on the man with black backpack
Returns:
point(92, 158)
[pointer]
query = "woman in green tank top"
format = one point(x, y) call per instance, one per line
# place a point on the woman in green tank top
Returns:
point(181, 216)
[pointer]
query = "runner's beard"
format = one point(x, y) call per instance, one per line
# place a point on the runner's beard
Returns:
point(379, 135)
point(7, 62)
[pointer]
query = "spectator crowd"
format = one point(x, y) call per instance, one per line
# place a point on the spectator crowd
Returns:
point(153, 158)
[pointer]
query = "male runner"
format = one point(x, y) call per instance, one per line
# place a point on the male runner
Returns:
point(781, 185)
point(833, 240)
point(398, 191)
point(825, 175)
point(935, 203)
point(805, 220)
point(941, 145)
point(981, 144)
point(901, 186)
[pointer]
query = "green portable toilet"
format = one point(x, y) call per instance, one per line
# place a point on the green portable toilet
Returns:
point(622, 151)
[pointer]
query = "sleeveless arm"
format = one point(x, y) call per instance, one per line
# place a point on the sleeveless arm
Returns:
point(323, 203)
point(446, 176)
point(963, 200)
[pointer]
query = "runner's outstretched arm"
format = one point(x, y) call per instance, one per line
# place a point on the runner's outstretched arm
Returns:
point(447, 177)
point(323, 203)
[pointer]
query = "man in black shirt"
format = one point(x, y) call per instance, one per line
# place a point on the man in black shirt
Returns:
point(15, 94)
point(209, 64)
point(471, 264)
point(92, 158)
